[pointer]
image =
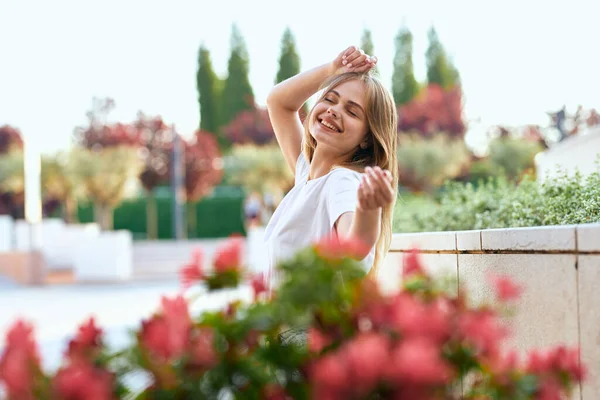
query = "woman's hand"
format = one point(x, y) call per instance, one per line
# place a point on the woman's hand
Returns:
point(352, 59)
point(375, 190)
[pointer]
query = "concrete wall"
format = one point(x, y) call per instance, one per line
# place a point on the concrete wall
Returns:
point(559, 268)
point(575, 152)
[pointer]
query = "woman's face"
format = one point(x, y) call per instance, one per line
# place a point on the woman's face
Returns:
point(339, 119)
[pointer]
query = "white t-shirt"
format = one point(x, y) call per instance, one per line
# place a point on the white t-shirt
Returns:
point(309, 211)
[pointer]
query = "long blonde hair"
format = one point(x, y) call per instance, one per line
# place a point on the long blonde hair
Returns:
point(382, 122)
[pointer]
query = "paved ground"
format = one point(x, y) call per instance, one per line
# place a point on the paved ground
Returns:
point(57, 310)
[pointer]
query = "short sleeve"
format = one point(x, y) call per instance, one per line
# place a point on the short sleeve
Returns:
point(302, 169)
point(342, 195)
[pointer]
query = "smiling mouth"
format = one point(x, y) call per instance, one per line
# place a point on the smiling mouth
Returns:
point(329, 126)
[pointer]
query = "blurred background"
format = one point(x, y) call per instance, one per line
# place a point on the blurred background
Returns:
point(134, 131)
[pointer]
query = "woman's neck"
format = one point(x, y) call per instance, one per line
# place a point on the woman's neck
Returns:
point(322, 163)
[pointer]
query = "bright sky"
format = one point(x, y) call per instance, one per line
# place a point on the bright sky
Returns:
point(517, 58)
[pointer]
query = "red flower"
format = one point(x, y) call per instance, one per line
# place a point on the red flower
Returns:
point(317, 341)
point(366, 359)
point(418, 361)
point(229, 256)
point(192, 272)
point(82, 381)
point(203, 353)
point(166, 335)
point(87, 340)
point(333, 247)
point(259, 285)
point(20, 362)
point(505, 288)
point(412, 264)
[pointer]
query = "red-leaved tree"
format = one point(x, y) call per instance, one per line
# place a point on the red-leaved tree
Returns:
point(156, 143)
point(433, 111)
point(250, 126)
point(99, 134)
point(9, 137)
point(203, 170)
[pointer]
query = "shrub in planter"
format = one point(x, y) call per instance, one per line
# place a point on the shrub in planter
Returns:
point(419, 343)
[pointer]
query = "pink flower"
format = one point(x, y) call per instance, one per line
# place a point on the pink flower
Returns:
point(203, 353)
point(567, 360)
point(192, 272)
point(20, 362)
point(413, 318)
point(259, 285)
point(549, 390)
point(166, 335)
point(330, 374)
point(418, 361)
point(366, 359)
point(86, 342)
point(412, 264)
point(482, 330)
point(229, 256)
point(333, 247)
point(505, 288)
point(82, 381)
point(275, 392)
point(317, 340)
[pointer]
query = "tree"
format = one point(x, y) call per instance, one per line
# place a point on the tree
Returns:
point(99, 134)
point(366, 44)
point(289, 61)
point(434, 111)
point(10, 137)
point(237, 92)
point(104, 175)
point(156, 145)
point(209, 88)
point(404, 84)
point(59, 182)
point(203, 171)
point(440, 70)
point(250, 126)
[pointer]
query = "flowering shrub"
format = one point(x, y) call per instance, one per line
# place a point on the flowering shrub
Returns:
point(419, 343)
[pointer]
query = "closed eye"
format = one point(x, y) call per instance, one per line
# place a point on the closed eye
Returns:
point(352, 113)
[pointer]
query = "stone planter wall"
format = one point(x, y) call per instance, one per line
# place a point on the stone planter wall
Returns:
point(559, 268)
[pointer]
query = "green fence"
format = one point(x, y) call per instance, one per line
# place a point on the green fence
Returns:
point(218, 215)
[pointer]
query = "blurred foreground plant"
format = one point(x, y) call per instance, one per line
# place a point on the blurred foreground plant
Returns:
point(419, 343)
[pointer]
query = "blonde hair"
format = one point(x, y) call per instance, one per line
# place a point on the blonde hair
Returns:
point(382, 125)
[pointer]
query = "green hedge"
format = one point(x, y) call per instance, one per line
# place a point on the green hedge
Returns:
point(499, 203)
point(218, 215)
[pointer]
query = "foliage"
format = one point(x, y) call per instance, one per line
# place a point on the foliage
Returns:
point(500, 203)
point(104, 175)
point(10, 137)
point(440, 70)
point(513, 156)
point(259, 169)
point(203, 165)
point(289, 60)
point(425, 164)
point(99, 134)
point(209, 88)
point(156, 143)
point(251, 126)
point(60, 182)
point(434, 110)
point(237, 92)
point(366, 44)
point(421, 342)
point(12, 174)
point(404, 85)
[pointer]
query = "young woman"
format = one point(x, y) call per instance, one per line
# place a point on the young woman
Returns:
point(343, 158)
